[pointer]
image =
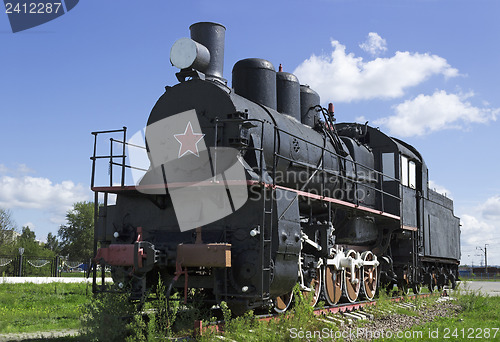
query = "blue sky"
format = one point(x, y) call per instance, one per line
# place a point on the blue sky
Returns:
point(425, 71)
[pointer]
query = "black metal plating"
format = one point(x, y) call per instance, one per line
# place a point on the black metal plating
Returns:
point(288, 94)
point(255, 80)
point(211, 35)
point(309, 100)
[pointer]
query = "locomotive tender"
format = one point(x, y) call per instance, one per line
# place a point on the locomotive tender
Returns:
point(342, 209)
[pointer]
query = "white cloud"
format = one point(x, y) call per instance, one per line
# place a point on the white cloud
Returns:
point(374, 44)
point(480, 226)
point(24, 169)
point(40, 193)
point(343, 77)
point(440, 189)
point(474, 230)
point(425, 114)
point(20, 169)
point(491, 208)
point(361, 119)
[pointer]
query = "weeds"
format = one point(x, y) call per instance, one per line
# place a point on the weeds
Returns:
point(105, 318)
point(248, 327)
point(112, 317)
point(471, 300)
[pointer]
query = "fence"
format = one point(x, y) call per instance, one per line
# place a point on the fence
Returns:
point(480, 276)
point(36, 266)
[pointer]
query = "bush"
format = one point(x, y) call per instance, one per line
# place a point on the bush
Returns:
point(112, 317)
point(106, 317)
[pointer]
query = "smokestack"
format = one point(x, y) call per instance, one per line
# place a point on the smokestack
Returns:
point(211, 35)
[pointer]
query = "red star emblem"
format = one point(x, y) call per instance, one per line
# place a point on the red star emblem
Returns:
point(189, 141)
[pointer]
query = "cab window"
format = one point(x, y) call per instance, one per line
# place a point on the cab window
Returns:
point(404, 170)
point(388, 166)
point(412, 175)
point(408, 172)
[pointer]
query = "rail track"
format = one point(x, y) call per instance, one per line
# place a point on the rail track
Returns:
point(338, 314)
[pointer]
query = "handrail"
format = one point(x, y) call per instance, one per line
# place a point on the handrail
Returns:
point(112, 156)
point(374, 180)
point(95, 157)
point(379, 179)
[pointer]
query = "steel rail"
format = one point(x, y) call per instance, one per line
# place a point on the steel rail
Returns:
point(218, 326)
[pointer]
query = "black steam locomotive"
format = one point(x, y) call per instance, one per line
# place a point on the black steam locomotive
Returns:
point(255, 188)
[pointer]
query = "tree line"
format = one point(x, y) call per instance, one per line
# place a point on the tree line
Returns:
point(73, 240)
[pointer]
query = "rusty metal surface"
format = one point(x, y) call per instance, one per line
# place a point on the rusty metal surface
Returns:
point(116, 255)
point(208, 255)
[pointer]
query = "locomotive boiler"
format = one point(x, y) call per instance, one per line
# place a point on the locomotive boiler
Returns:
point(254, 187)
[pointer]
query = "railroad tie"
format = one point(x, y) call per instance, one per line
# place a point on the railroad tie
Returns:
point(353, 315)
point(336, 320)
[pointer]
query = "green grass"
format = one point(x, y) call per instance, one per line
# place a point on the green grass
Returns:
point(478, 318)
point(41, 307)
point(53, 339)
point(45, 307)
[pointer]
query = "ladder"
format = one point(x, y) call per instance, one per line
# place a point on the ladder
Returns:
point(268, 218)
